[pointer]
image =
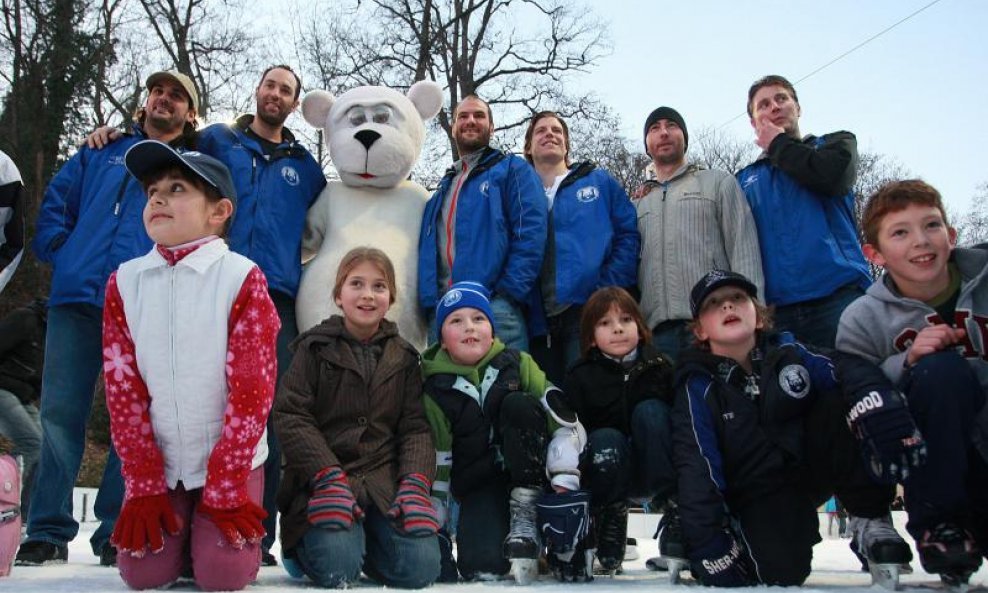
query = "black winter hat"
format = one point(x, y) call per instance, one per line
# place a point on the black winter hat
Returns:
point(670, 114)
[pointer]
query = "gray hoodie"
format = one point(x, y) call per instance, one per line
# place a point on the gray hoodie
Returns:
point(881, 325)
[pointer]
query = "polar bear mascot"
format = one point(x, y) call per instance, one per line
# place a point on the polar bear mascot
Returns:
point(375, 136)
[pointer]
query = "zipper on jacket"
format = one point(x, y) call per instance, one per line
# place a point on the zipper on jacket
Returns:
point(449, 221)
point(120, 194)
point(171, 340)
point(253, 168)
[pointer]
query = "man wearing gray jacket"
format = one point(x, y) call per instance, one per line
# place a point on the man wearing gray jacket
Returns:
point(691, 221)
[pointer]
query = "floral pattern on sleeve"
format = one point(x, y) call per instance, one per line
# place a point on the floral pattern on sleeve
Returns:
point(251, 371)
point(127, 402)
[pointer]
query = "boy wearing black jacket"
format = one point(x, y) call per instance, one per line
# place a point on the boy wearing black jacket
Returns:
point(761, 440)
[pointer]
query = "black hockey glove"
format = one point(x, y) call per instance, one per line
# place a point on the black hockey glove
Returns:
point(564, 524)
point(890, 442)
point(722, 562)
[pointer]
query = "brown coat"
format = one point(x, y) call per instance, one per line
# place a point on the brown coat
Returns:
point(328, 413)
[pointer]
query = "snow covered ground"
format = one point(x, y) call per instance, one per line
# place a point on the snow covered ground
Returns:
point(834, 569)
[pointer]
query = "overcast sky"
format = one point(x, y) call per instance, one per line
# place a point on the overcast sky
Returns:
point(917, 93)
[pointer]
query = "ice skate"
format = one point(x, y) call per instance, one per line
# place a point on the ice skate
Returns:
point(521, 547)
point(611, 527)
point(881, 547)
point(951, 552)
point(672, 546)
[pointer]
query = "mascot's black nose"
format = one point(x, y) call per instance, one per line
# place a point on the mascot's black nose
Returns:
point(367, 137)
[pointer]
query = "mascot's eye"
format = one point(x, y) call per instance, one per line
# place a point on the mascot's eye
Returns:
point(381, 114)
point(356, 116)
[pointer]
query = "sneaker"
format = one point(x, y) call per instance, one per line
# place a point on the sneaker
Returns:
point(948, 549)
point(522, 540)
point(611, 527)
point(38, 553)
point(631, 550)
point(268, 559)
point(108, 555)
point(877, 541)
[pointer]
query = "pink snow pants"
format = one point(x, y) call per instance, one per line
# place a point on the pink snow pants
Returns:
point(216, 565)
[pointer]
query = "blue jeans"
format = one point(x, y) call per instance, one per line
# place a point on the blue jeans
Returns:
point(73, 360)
point(509, 324)
point(618, 466)
point(672, 337)
point(815, 322)
point(19, 422)
point(560, 347)
point(285, 306)
point(334, 559)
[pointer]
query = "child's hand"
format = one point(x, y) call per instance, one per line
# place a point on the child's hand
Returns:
point(141, 524)
point(932, 339)
point(332, 505)
point(239, 525)
point(412, 508)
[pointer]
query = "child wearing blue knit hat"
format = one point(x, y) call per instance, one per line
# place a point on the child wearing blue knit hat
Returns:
point(492, 411)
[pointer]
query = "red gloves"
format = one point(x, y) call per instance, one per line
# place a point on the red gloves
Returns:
point(239, 525)
point(142, 523)
point(412, 508)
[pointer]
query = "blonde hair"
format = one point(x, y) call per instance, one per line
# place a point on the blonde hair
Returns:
point(359, 255)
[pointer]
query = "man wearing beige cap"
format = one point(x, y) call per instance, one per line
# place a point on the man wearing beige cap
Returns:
point(89, 223)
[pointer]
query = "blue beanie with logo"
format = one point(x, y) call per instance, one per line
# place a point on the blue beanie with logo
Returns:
point(460, 295)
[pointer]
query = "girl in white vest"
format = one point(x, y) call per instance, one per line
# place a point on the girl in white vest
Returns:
point(189, 360)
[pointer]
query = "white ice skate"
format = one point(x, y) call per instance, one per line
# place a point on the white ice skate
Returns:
point(521, 547)
point(878, 543)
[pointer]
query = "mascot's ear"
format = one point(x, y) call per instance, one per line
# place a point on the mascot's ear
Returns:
point(315, 107)
point(427, 96)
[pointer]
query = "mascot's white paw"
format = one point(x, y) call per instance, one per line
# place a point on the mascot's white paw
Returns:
point(375, 136)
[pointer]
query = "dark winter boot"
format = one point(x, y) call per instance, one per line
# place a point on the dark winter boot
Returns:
point(611, 526)
point(950, 551)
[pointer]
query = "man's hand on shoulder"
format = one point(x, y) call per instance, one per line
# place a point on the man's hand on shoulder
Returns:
point(933, 339)
point(766, 131)
point(102, 136)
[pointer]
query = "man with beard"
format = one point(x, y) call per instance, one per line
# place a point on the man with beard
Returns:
point(801, 194)
point(277, 180)
point(691, 221)
point(485, 223)
point(89, 223)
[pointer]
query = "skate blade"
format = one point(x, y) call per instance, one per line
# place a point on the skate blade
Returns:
point(675, 566)
point(524, 570)
point(885, 575)
point(658, 564)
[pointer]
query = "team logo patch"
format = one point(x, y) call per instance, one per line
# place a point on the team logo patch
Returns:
point(588, 194)
point(795, 381)
point(289, 174)
point(452, 297)
point(116, 160)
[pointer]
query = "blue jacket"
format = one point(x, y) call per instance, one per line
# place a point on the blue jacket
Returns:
point(273, 195)
point(91, 221)
point(594, 235)
point(801, 196)
point(500, 229)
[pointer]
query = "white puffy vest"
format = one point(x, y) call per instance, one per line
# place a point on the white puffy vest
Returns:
point(178, 317)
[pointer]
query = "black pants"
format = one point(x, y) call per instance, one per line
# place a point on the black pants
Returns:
point(945, 398)
point(781, 527)
point(484, 517)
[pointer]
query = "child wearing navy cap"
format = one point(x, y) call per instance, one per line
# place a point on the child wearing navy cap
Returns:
point(761, 439)
point(189, 361)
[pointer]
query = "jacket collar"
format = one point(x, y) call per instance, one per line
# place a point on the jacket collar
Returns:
point(199, 260)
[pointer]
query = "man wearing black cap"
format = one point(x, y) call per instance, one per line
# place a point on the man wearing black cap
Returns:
point(690, 220)
point(88, 224)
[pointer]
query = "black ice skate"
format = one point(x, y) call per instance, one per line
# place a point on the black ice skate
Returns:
point(611, 527)
point(672, 545)
point(951, 552)
point(881, 547)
